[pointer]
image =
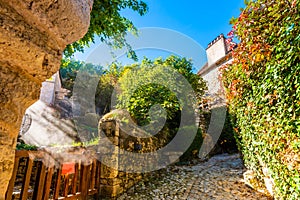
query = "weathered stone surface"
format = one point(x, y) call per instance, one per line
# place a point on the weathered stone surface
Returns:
point(119, 176)
point(33, 35)
point(64, 21)
point(6, 166)
point(110, 191)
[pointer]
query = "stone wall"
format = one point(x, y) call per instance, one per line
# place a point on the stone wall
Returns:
point(115, 177)
point(212, 78)
point(113, 181)
point(33, 35)
point(50, 88)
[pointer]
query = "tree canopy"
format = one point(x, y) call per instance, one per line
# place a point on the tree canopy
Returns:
point(70, 67)
point(137, 90)
point(150, 83)
point(107, 23)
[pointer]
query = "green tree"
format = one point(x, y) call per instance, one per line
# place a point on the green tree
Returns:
point(106, 86)
point(141, 89)
point(107, 23)
point(70, 67)
point(108, 79)
point(262, 87)
point(157, 94)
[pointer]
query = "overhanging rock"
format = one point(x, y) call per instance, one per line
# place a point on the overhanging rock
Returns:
point(33, 35)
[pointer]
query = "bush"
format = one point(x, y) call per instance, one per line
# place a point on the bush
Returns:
point(160, 91)
point(227, 140)
point(193, 151)
point(152, 84)
point(23, 146)
point(263, 90)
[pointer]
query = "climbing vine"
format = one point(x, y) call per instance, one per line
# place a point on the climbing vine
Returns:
point(263, 91)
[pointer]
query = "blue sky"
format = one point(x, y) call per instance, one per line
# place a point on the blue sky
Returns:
point(201, 21)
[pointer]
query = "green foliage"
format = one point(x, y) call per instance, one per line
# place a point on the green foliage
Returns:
point(106, 86)
point(150, 85)
point(193, 151)
point(23, 146)
point(107, 22)
point(141, 88)
point(93, 142)
point(227, 139)
point(107, 79)
point(263, 90)
point(138, 100)
point(70, 67)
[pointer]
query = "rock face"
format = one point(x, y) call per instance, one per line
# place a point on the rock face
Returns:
point(33, 35)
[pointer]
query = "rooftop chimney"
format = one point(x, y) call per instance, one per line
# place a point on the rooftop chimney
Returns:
point(216, 49)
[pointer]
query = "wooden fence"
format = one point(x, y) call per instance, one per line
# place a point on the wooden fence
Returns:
point(38, 176)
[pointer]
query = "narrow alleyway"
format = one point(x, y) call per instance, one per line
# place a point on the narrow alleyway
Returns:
point(219, 178)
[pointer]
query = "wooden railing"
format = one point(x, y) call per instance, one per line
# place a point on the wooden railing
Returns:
point(37, 176)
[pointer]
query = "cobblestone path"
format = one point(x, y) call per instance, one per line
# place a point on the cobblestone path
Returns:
point(219, 178)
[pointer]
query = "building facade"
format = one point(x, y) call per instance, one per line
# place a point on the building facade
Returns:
point(218, 55)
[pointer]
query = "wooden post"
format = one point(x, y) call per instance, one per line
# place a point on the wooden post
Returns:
point(24, 191)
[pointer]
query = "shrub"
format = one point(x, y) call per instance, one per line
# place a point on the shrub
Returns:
point(156, 91)
point(227, 141)
point(193, 151)
point(23, 146)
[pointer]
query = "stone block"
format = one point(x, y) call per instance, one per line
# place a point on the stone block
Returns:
point(108, 172)
point(103, 181)
point(110, 191)
point(130, 183)
point(114, 181)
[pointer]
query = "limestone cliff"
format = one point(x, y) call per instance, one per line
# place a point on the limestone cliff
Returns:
point(33, 35)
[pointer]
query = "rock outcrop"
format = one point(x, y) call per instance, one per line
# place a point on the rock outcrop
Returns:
point(33, 35)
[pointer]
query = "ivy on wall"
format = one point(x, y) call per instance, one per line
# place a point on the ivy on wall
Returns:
point(263, 91)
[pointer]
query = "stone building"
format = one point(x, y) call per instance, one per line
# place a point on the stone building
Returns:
point(218, 54)
point(47, 122)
